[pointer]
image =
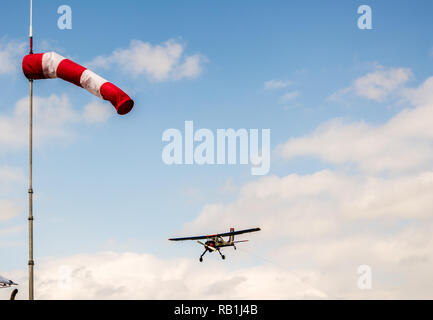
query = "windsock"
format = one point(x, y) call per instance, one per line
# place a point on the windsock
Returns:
point(52, 65)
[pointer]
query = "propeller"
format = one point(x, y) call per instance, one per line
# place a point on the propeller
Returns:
point(206, 246)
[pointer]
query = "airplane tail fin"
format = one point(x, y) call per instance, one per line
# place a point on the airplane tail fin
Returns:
point(232, 238)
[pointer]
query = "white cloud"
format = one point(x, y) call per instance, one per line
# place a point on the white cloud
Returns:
point(9, 209)
point(402, 144)
point(10, 179)
point(421, 96)
point(166, 61)
point(10, 176)
point(53, 115)
point(10, 55)
point(329, 223)
point(377, 85)
point(276, 84)
point(228, 187)
point(49, 45)
point(112, 275)
point(11, 230)
point(96, 112)
point(54, 118)
point(317, 203)
point(192, 67)
point(289, 96)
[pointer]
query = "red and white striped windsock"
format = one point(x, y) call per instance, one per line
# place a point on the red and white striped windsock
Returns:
point(52, 65)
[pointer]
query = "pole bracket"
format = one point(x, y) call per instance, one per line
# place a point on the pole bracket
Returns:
point(31, 262)
point(30, 190)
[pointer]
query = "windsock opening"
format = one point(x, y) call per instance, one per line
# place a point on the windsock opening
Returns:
point(125, 106)
point(120, 100)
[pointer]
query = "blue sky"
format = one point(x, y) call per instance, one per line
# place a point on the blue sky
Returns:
point(103, 186)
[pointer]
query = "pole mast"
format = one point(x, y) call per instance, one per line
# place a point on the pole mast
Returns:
point(31, 262)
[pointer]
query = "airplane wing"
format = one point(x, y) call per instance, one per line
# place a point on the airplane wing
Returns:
point(190, 238)
point(234, 233)
point(216, 235)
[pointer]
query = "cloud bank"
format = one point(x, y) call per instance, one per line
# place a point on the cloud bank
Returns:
point(110, 275)
point(161, 62)
point(377, 85)
point(10, 56)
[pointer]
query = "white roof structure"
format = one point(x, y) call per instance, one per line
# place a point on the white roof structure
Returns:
point(5, 283)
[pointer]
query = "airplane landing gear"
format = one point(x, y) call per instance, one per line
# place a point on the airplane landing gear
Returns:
point(201, 257)
point(222, 256)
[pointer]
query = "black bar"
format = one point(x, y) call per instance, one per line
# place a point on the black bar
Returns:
point(229, 309)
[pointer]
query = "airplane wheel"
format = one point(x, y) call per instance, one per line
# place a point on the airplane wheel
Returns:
point(201, 259)
point(223, 256)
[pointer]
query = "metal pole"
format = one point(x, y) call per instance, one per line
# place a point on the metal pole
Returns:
point(31, 27)
point(31, 262)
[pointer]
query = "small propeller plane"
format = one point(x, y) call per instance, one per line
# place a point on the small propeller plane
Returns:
point(215, 242)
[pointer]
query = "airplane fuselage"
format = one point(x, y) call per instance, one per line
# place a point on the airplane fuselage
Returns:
point(218, 243)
